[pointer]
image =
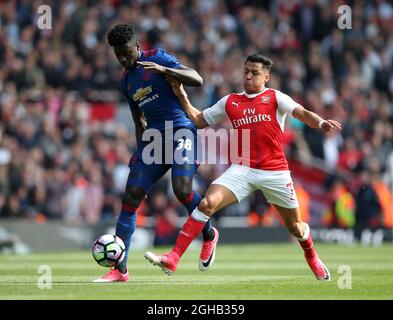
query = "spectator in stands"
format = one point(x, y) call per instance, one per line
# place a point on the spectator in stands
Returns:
point(341, 210)
point(368, 207)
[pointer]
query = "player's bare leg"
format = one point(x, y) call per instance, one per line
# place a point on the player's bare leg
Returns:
point(217, 197)
point(301, 231)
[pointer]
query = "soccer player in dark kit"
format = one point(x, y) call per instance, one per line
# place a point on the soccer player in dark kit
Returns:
point(155, 107)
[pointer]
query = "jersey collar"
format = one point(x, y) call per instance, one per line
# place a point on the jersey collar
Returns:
point(253, 95)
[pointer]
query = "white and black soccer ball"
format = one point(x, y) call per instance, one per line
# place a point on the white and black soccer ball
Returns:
point(108, 250)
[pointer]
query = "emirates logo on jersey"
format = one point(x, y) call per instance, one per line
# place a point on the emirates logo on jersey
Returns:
point(251, 119)
point(265, 99)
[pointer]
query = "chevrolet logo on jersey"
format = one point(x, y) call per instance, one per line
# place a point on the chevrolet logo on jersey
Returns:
point(141, 93)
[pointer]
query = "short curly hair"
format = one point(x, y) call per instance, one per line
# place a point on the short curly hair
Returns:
point(121, 34)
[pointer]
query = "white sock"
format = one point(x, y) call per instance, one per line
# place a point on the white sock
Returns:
point(306, 233)
point(199, 216)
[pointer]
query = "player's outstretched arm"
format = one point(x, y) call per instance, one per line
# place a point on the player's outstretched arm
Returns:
point(187, 76)
point(192, 113)
point(313, 120)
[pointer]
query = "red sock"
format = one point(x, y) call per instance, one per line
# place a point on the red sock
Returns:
point(308, 247)
point(188, 233)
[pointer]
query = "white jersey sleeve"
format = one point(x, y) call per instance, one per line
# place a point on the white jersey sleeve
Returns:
point(215, 113)
point(285, 103)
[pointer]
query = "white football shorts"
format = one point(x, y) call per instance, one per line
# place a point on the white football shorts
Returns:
point(277, 186)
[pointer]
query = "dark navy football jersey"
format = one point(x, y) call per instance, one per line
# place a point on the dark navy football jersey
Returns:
point(152, 94)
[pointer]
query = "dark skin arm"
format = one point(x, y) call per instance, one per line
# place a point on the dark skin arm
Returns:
point(187, 76)
point(140, 124)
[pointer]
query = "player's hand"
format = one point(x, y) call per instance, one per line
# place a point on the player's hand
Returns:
point(330, 125)
point(177, 86)
point(151, 66)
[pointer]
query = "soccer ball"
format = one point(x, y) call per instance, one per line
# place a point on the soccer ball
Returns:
point(108, 250)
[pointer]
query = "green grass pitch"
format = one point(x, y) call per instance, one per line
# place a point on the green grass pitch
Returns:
point(256, 272)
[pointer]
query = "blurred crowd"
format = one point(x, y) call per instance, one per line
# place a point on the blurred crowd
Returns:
point(57, 162)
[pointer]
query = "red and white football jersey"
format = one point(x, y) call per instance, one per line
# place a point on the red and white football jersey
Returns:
point(264, 115)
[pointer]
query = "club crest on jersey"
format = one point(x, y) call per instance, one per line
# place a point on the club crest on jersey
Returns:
point(146, 75)
point(265, 99)
point(141, 93)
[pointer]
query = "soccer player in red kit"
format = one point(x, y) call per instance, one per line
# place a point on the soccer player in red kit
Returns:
point(262, 111)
